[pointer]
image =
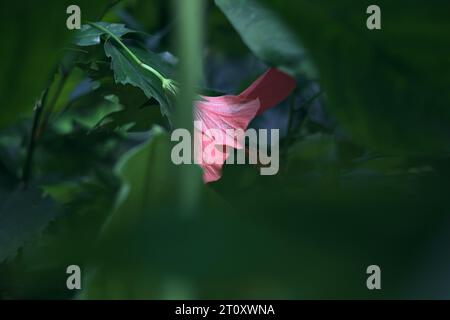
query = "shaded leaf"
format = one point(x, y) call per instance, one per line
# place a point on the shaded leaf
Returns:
point(23, 215)
point(84, 205)
point(132, 119)
point(146, 180)
point(266, 35)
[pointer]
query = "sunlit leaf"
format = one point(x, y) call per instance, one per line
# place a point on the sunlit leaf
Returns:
point(127, 71)
point(88, 35)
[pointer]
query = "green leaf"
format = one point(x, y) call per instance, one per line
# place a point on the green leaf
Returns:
point(23, 215)
point(145, 173)
point(91, 119)
point(266, 35)
point(79, 152)
point(36, 272)
point(132, 119)
point(148, 193)
point(88, 35)
point(126, 71)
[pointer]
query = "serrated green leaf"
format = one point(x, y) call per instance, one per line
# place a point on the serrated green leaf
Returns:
point(23, 215)
point(36, 272)
point(88, 35)
point(127, 71)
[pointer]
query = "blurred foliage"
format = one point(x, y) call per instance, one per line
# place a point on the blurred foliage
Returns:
point(364, 168)
point(388, 87)
point(22, 214)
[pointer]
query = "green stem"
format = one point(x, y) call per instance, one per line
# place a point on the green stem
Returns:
point(51, 105)
point(127, 50)
point(34, 136)
point(190, 27)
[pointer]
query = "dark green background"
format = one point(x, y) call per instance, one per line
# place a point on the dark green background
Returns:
point(363, 180)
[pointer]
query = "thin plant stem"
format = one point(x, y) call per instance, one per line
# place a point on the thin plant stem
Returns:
point(34, 136)
point(51, 106)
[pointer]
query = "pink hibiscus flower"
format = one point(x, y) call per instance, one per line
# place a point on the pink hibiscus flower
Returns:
point(219, 114)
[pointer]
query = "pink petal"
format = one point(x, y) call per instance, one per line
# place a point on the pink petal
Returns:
point(221, 114)
point(212, 171)
point(271, 88)
point(235, 112)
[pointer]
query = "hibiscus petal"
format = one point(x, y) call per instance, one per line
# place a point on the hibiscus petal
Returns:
point(220, 114)
point(212, 171)
point(225, 113)
point(271, 88)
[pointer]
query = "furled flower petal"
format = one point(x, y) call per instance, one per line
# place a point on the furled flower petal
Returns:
point(218, 115)
point(223, 113)
point(270, 89)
